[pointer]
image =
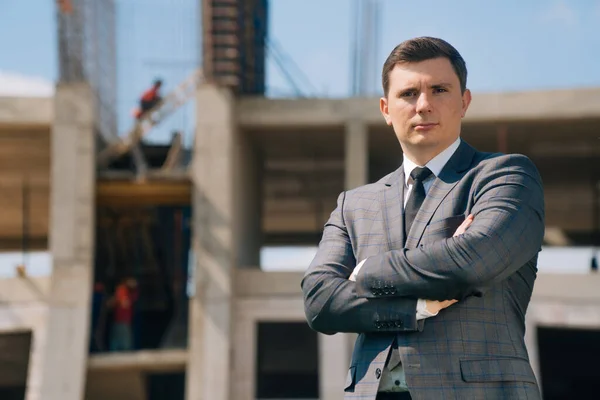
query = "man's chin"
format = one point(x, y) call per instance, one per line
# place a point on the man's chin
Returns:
point(424, 139)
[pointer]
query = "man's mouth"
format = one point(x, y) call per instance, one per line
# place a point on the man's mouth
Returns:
point(425, 126)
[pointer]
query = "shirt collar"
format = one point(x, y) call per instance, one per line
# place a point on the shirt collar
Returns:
point(436, 164)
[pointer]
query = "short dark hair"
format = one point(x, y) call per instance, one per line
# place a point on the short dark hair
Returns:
point(422, 49)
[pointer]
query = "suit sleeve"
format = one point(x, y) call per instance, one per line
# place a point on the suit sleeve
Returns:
point(331, 302)
point(507, 233)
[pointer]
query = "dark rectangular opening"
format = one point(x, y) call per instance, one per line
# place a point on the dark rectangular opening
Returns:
point(142, 256)
point(14, 362)
point(287, 361)
point(166, 386)
point(569, 363)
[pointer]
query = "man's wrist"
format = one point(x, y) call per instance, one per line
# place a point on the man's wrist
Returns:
point(422, 310)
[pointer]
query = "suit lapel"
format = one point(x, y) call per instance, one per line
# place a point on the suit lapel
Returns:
point(450, 175)
point(392, 210)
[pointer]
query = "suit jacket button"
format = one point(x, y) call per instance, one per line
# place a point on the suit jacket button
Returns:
point(378, 373)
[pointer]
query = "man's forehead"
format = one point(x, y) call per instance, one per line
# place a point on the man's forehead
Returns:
point(423, 71)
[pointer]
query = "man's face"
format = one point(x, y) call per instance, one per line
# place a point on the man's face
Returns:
point(425, 106)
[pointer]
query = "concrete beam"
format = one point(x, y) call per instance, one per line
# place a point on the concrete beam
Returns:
point(146, 361)
point(559, 287)
point(566, 104)
point(129, 193)
point(256, 283)
point(26, 111)
point(24, 290)
point(252, 282)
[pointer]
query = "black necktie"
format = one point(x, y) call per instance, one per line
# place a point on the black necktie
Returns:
point(417, 196)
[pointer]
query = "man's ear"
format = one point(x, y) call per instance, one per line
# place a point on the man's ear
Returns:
point(383, 107)
point(466, 100)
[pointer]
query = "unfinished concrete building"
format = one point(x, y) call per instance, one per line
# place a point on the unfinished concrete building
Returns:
point(190, 224)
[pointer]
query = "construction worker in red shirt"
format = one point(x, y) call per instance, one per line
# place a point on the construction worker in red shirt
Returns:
point(150, 99)
point(123, 301)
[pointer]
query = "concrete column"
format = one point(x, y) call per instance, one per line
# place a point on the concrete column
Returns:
point(356, 154)
point(335, 351)
point(213, 176)
point(72, 210)
point(334, 361)
point(531, 342)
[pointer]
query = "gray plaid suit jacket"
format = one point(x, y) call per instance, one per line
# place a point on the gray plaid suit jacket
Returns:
point(475, 348)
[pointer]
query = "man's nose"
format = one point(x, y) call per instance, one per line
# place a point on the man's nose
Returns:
point(423, 103)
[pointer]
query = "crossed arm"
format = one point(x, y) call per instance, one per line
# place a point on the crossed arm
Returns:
point(507, 231)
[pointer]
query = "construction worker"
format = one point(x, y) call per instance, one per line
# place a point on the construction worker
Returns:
point(150, 99)
point(123, 301)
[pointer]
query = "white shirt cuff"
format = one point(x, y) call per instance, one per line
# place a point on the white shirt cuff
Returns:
point(422, 312)
point(356, 269)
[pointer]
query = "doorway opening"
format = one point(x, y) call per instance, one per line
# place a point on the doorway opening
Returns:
point(14, 363)
point(569, 363)
point(287, 361)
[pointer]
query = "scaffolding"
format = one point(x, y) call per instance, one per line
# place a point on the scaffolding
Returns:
point(364, 63)
point(234, 34)
point(87, 53)
point(149, 39)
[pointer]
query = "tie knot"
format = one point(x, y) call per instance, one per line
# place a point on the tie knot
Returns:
point(420, 174)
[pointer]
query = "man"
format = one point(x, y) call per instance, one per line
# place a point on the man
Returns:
point(451, 224)
point(150, 98)
point(125, 296)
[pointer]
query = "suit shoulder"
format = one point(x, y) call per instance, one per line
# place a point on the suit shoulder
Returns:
point(502, 160)
point(498, 165)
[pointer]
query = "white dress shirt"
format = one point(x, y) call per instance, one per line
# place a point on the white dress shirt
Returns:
point(395, 380)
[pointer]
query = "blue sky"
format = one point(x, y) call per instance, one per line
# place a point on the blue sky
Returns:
point(508, 44)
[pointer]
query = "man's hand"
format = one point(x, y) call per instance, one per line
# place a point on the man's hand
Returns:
point(463, 227)
point(434, 306)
